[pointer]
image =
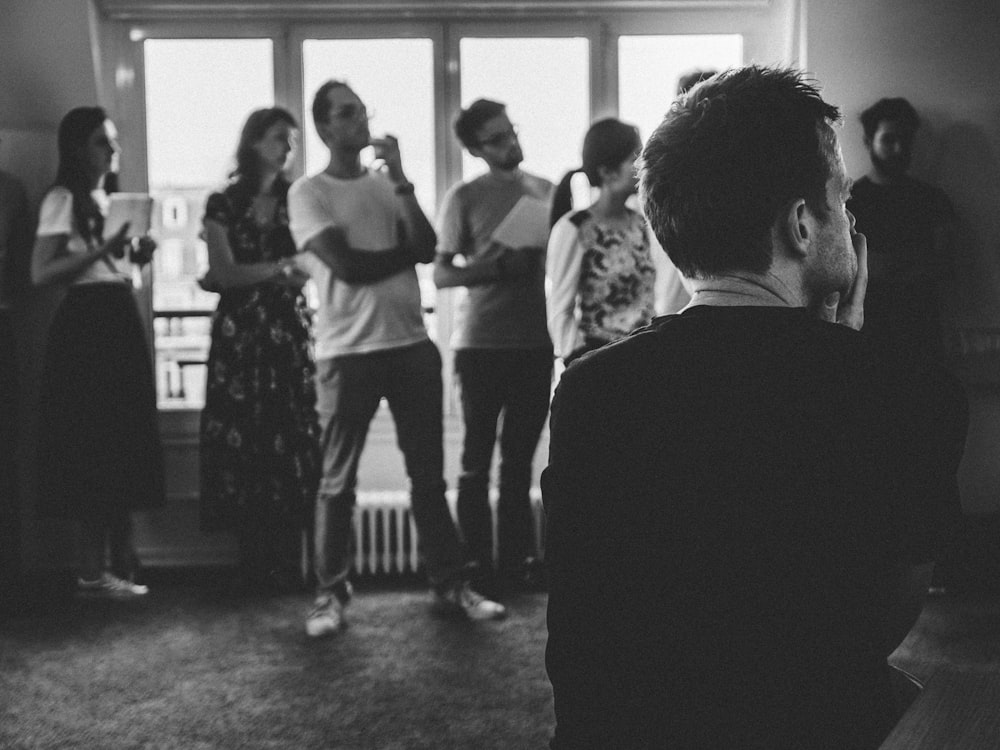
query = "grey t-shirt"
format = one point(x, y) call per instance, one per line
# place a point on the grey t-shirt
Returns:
point(506, 314)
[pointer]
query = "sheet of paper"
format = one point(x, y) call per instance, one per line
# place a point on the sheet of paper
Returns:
point(526, 225)
point(135, 208)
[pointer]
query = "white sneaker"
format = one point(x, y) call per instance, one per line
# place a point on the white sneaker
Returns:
point(462, 599)
point(326, 617)
point(110, 586)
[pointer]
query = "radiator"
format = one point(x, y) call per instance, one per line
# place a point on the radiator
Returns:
point(385, 536)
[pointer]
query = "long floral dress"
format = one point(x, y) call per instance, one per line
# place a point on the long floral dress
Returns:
point(260, 459)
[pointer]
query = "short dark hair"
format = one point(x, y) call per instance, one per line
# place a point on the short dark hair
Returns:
point(726, 159)
point(320, 105)
point(692, 78)
point(895, 109)
point(607, 144)
point(472, 118)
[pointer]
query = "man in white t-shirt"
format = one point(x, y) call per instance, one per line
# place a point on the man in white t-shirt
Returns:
point(360, 232)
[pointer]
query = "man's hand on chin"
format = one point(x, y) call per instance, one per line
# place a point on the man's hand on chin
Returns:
point(848, 308)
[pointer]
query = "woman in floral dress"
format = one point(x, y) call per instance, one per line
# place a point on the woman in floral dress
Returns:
point(259, 434)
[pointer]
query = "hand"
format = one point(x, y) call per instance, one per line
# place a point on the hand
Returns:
point(142, 250)
point(387, 151)
point(849, 310)
point(293, 277)
point(115, 245)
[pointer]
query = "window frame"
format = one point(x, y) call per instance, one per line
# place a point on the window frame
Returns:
point(771, 31)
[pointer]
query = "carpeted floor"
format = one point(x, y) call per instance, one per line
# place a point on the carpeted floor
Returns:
point(191, 668)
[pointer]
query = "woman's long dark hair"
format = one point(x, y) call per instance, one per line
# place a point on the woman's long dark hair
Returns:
point(73, 174)
point(607, 144)
point(245, 178)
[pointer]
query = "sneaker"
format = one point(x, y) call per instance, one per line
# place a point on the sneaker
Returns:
point(463, 600)
point(326, 617)
point(110, 586)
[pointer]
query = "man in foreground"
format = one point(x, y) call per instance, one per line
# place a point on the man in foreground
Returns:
point(362, 231)
point(732, 491)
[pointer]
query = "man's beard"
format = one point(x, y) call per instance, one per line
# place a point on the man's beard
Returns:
point(513, 159)
point(894, 167)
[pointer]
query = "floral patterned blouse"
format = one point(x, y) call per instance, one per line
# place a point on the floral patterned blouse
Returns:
point(602, 280)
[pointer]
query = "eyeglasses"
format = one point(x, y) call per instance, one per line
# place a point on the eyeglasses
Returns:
point(499, 139)
point(352, 112)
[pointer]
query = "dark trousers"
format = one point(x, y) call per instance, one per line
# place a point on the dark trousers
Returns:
point(513, 386)
point(349, 390)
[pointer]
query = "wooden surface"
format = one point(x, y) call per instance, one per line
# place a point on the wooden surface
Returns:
point(954, 649)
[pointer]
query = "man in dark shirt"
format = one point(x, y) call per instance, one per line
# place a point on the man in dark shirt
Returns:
point(909, 226)
point(732, 492)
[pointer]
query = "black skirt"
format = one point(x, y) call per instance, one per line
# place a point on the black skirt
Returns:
point(99, 443)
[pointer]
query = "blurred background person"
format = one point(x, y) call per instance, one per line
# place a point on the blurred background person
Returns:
point(259, 430)
point(910, 228)
point(99, 447)
point(600, 264)
point(503, 356)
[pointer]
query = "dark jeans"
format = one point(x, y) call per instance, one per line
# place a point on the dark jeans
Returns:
point(513, 384)
point(349, 390)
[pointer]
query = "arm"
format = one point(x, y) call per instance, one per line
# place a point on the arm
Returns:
point(51, 262)
point(357, 266)
point(417, 234)
point(313, 229)
point(226, 272)
point(562, 266)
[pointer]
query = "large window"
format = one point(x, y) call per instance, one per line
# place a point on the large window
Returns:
point(198, 93)
point(545, 84)
point(649, 68)
point(201, 75)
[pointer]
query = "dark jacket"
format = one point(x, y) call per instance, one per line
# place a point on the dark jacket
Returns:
point(730, 496)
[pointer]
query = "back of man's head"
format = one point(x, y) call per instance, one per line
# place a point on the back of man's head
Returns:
point(895, 109)
point(725, 160)
point(473, 117)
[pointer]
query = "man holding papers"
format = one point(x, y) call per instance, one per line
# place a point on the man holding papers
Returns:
point(492, 232)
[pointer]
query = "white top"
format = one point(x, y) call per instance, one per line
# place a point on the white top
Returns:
point(605, 279)
point(55, 217)
point(356, 318)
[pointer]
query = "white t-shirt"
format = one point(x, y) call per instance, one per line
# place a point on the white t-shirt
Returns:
point(56, 217)
point(356, 318)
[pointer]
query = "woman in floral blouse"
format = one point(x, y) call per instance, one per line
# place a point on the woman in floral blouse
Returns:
point(259, 452)
point(601, 270)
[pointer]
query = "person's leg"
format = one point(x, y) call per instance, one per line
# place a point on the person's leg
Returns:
point(124, 559)
point(347, 397)
point(415, 399)
point(529, 382)
point(481, 394)
point(93, 540)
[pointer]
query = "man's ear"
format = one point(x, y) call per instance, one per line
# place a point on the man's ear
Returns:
point(797, 227)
